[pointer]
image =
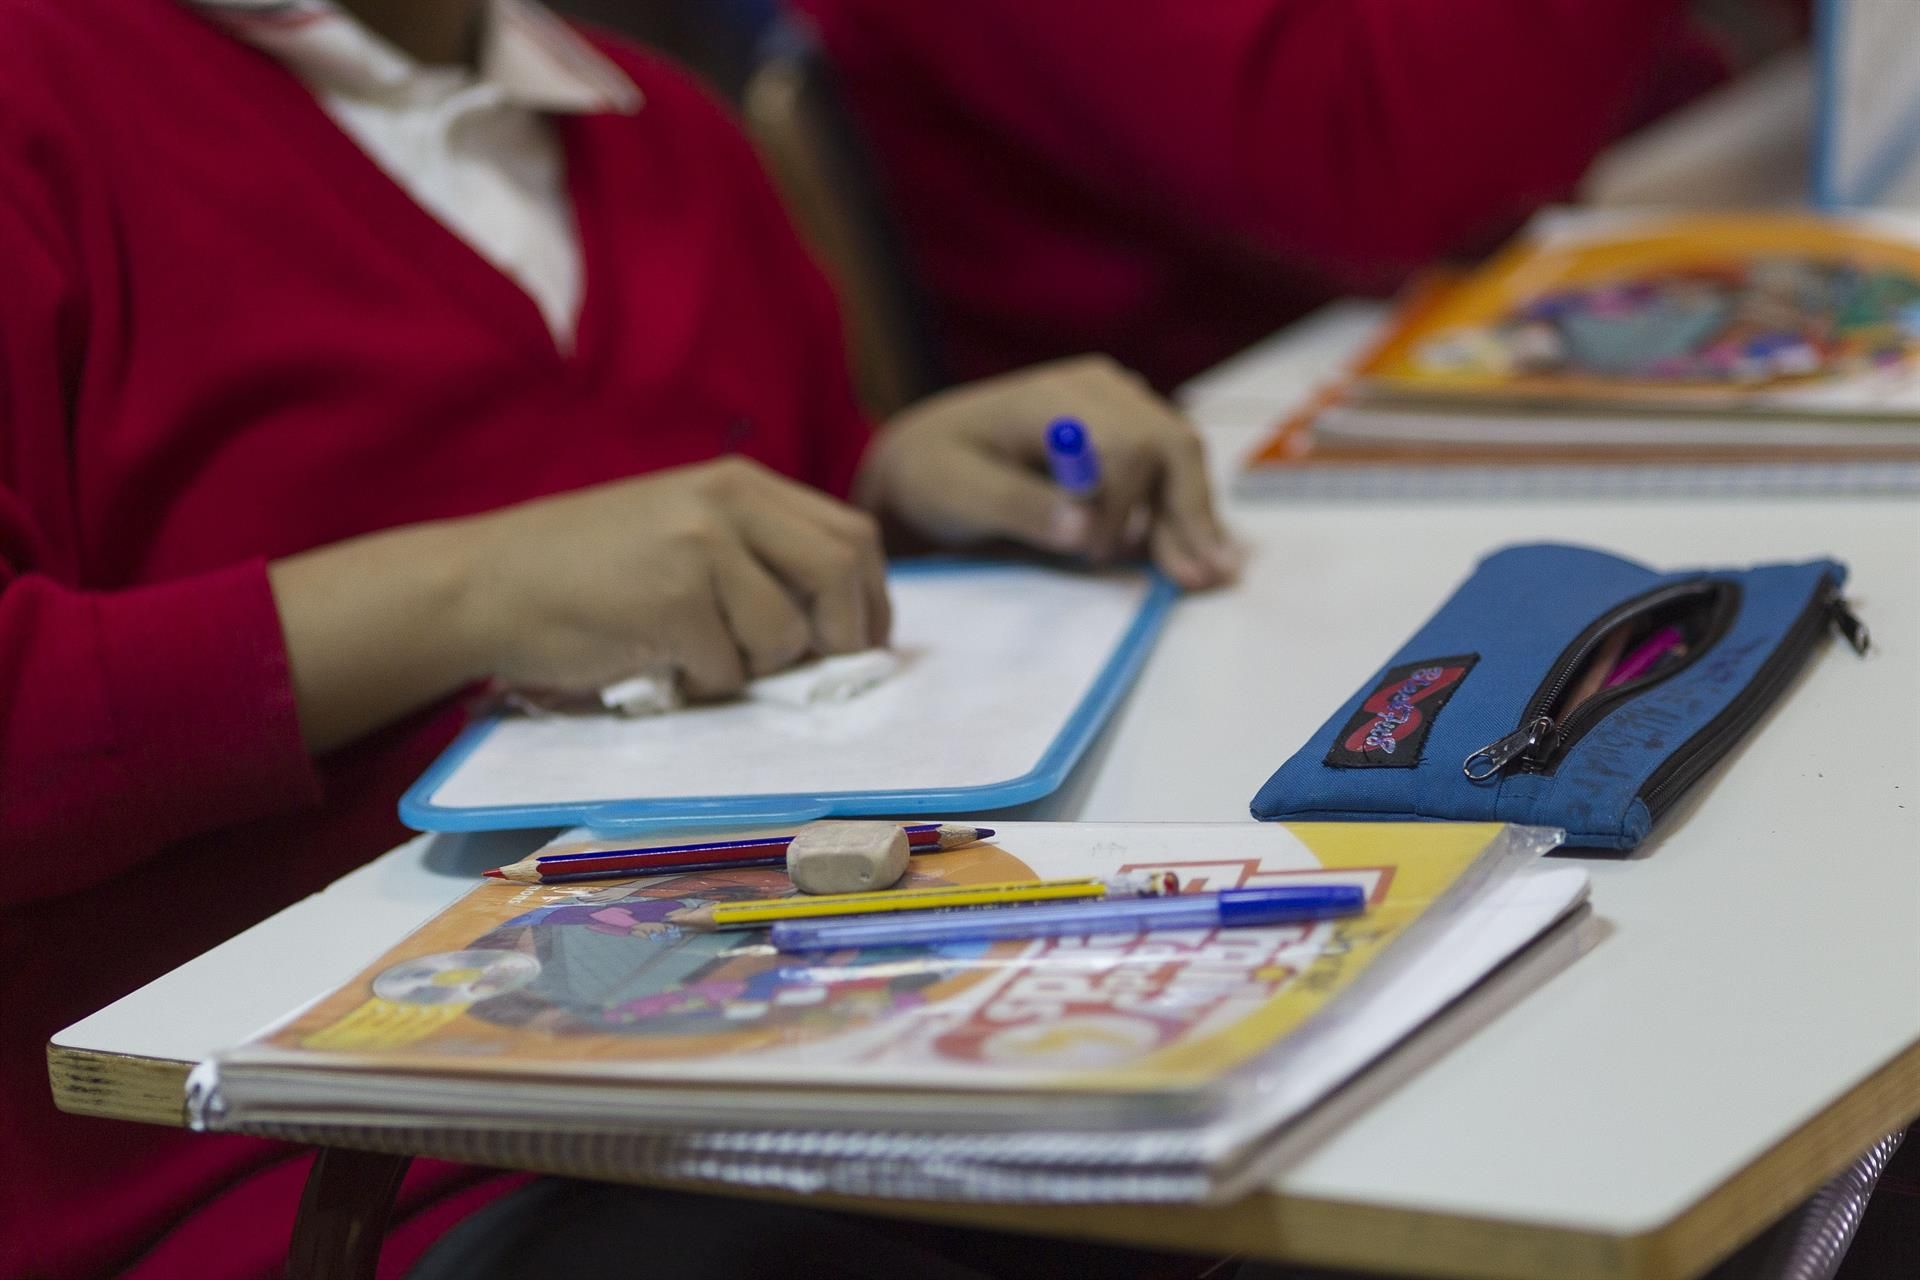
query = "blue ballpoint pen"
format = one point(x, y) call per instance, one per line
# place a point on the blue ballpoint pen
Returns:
point(1071, 457)
point(1225, 909)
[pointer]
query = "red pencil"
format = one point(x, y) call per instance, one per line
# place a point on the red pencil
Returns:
point(760, 851)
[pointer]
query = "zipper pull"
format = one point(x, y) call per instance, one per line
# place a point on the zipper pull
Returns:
point(1495, 756)
point(1848, 623)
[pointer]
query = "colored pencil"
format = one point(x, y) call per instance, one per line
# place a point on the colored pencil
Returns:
point(1648, 654)
point(709, 855)
point(754, 915)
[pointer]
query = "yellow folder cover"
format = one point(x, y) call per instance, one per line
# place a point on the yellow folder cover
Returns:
point(596, 980)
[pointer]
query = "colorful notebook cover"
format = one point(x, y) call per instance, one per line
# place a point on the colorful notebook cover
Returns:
point(1784, 313)
point(593, 983)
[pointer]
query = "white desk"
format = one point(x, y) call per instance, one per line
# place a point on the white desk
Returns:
point(1749, 1023)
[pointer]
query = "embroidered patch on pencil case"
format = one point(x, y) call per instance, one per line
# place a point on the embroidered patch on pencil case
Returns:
point(1391, 726)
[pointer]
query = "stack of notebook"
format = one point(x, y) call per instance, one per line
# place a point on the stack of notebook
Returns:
point(577, 1028)
point(1608, 351)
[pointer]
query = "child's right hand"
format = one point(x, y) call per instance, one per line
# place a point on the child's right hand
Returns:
point(723, 571)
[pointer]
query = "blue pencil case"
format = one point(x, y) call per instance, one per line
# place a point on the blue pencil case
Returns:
point(1561, 686)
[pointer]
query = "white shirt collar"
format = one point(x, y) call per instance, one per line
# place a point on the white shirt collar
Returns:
point(533, 58)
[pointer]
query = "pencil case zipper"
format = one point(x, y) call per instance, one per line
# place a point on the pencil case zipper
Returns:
point(1543, 737)
point(1666, 784)
point(1541, 741)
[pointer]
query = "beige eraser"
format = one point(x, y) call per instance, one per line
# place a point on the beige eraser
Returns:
point(847, 857)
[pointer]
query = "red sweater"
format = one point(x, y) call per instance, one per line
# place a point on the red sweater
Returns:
point(226, 336)
point(1170, 180)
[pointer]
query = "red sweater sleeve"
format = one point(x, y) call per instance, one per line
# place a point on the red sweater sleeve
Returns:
point(1350, 133)
point(128, 719)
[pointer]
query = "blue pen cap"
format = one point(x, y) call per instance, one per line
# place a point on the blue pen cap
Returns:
point(1289, 903)
point(1071, 457)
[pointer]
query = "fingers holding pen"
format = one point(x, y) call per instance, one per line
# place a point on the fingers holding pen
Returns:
point(1160, 451)
point(991, 460)
point(1144, 502)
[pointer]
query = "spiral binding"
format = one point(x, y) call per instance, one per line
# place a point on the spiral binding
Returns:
point(893, 1166)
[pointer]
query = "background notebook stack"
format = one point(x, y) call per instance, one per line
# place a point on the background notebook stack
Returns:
point(1608, 352)
point(574, 1028)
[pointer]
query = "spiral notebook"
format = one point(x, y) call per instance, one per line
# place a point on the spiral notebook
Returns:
point(1296, 461)
point(578, 1028)
point(1612, 353)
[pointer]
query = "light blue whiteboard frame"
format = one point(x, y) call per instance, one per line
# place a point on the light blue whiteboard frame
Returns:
point(640, 814)
point(1900, 148)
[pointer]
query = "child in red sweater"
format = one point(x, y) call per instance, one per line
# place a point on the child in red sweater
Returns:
point(340, 371)
point(1171, 181)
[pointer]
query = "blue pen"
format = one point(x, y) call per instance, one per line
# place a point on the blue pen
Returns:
point(1226, 909)
point(1071, 457)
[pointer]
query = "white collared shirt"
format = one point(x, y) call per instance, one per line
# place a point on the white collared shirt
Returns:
point(475, 148)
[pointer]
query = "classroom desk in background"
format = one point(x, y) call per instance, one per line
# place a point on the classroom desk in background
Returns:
point(1745, 1023)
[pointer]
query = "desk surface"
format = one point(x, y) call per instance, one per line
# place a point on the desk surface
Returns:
point(1748, 1022)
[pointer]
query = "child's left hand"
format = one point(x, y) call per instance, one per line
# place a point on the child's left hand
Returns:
point(969, 464)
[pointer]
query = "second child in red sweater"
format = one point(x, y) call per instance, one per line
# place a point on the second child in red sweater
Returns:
point(1172, 180)
point(344, 363)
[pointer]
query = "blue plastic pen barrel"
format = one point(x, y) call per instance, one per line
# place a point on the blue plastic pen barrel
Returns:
point(1071, 457)
point(1230, 907)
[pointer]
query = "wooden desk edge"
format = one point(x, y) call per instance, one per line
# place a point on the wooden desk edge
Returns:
point(1285, 1228)
point(118, 1086)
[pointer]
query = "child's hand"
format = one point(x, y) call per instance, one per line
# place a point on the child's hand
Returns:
point(723, 571)
point(969, 464)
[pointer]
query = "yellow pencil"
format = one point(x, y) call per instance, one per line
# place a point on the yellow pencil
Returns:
point(755, 915)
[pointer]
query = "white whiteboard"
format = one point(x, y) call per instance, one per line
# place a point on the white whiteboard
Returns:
point(998, 664)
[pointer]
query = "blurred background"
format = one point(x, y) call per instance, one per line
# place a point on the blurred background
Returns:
point(913, 145)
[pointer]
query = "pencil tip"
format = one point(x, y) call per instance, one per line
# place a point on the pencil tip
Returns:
point(983, 833)
point(496, 873)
